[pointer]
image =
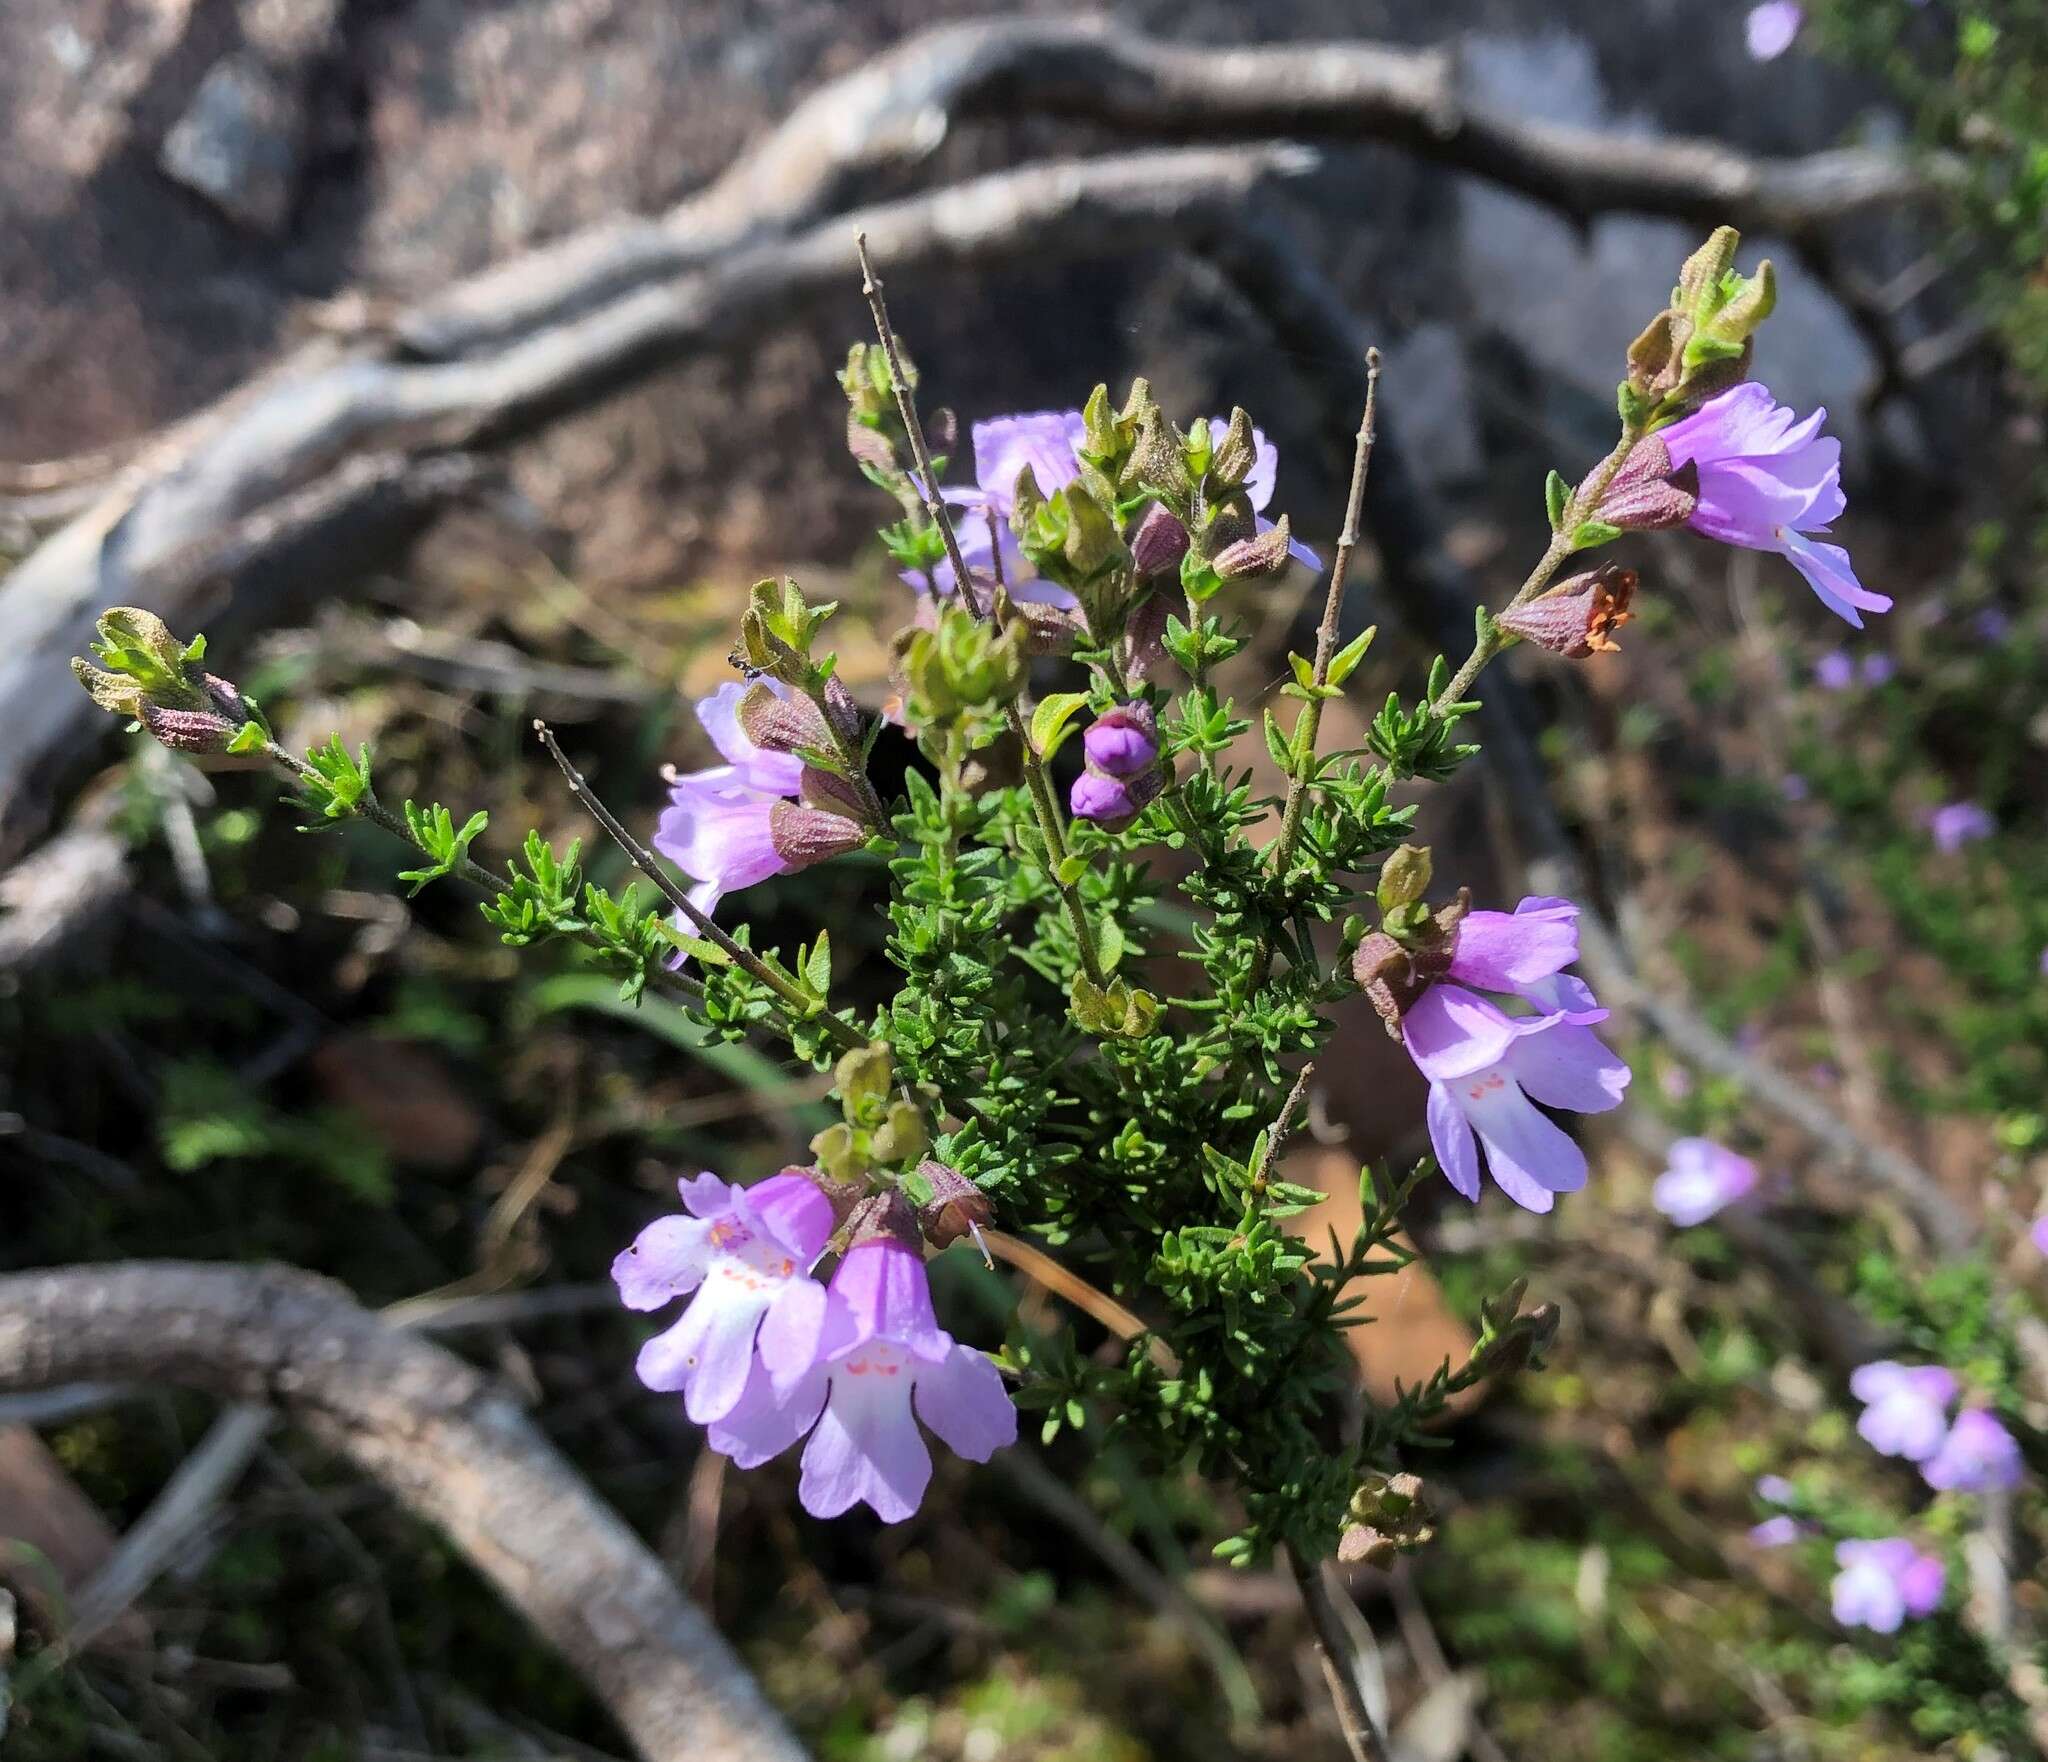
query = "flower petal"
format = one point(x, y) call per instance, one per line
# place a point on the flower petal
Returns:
point(963, 1400)
point(867, 1448)
point(1827, 571)
point(792, 1333)
point(1451, 1032)
point(761, 1425)
point(1568, 1066)
point(1504, 951)
point(666, 1259)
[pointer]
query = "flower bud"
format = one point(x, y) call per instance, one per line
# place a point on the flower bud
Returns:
point(1646, 495)
point(1395, 970)
point(1122, 741)
point(804, 835)
point(1160, 541)
point(782, 724)
point(883, 1217)
point(1234, 457)
point(1043, 629)
point(956, 1208)
point(1404, 876)
point(864, 1074)
point(1263, 553)
point(1574, 619)
point(1388, 1515)
point(1144, 641)
point(832, 794)
point(1111, 802)
point(186, 731)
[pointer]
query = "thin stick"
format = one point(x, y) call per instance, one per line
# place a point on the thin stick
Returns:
point(1360, 1735)
point(1281, 1127)
point(1044, 806)
point(843, 1033)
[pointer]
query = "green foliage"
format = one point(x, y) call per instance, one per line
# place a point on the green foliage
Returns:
point(208, 1116)
point(446, 848)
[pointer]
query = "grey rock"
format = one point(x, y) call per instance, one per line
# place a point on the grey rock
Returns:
point(239, 143)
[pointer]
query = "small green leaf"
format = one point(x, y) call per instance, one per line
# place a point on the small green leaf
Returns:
point(1345, 661)
point(248, 738)
point(1589, 533)
point(818, 965)
point(1071, 869)
point(1050, 721)
point(1556, 492)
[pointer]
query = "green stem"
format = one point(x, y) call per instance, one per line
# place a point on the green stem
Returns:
point(1492, 640)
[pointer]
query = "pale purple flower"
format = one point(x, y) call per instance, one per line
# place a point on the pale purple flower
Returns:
point(1105, 799)
point(1878, 669)
point(879, 1358)
point(1003, 446)
point(1771, 28)
point(1957, 823)
point(1794, 787)
point(1486, 1072)
point(746, 1253)
point(1779, 1532)
point(1768, 483)
point(1700, 1179)
point(1978, 1456)
point(732, 825)
point(1881, 1583)
point(1675, 1081)
point(1905, 1407)
point(1834, 671)
point(1991, 625)
point(1775, 1489)
point(2039, 1233)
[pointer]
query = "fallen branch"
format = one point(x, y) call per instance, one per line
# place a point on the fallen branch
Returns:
point(894, 112)
point(442, 1438)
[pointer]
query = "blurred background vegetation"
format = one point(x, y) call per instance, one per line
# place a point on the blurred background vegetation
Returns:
point(252, 1047)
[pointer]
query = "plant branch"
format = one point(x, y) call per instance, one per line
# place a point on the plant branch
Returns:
point(1360, 1734)
point(804, 1007)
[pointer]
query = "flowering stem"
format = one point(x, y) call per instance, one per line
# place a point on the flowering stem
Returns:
point(1492, 639)
point(467, 868)
point(1361, 1737)
point(1043, 804)
point(842, 1032)
point(1309, 724)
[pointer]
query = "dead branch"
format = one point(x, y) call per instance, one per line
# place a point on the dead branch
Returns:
point(442, 1438)
point(895, 111)
point(341, 454)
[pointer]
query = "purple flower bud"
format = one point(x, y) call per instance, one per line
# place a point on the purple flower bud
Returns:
point(956, 1208)
point(1646, 494)
point(1104, 799)
point(1160, 541)
point(801, 835)
point(1122, 741)
point(186, 731)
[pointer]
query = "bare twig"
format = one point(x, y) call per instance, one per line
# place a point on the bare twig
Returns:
point(1339, 1667)
point(442, 1438)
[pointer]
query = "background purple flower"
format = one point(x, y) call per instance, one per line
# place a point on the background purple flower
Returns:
point(1978, 1456)
point(717, 826)
point(1779, 1532)
point(1768, 482)
point(1878, 669)
point(1834, 671)
point(1771, 28)
point(1906, 1407)
point(1003, 446)
point(1699, 1179)
point(1881, 1583)
point(1957, 823)
point(2039, 1233)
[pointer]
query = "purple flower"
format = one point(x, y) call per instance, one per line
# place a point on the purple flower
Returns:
point(1878, 669)
point(732, 825)
point(1991, 625)
point(1003, 446)
point(1883, 1582)
point(1767, 483)
point(1794, 787)
point(1775, 1489)
point(1484, 1068)
point(879, 1357)
point(1978, 1456)
point(1957, 823)
point(1905, 1407)
point(1700, 1179)
point(1108, 801)
point(2039, 1233)
point(1834, 671)
point(1771, 28)
point(747, 1253)
point(1779, 1531)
